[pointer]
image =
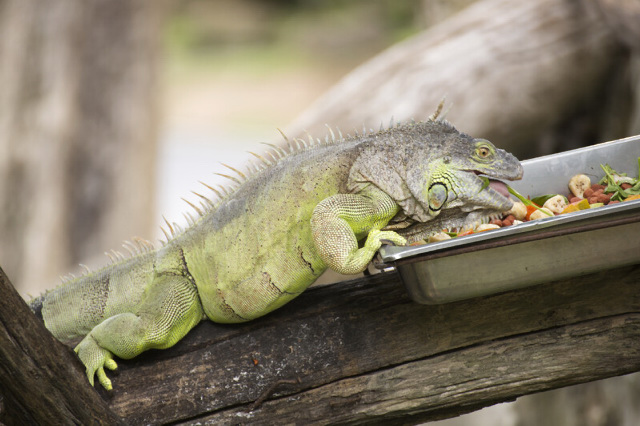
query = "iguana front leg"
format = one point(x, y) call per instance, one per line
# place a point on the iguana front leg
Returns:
point(169, 309)
point(340, 221)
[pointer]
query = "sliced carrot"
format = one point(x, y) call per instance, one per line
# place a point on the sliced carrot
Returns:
point(632, 197)
point(462, 234)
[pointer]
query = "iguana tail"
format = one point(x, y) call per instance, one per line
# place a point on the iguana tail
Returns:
point(73, 309)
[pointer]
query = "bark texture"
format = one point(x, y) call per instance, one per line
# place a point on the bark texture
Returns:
point(41, 380)
point(362, 352)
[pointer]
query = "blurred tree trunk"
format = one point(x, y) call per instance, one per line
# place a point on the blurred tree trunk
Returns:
point(78, 128)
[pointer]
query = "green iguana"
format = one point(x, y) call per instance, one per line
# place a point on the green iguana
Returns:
point(323, 205)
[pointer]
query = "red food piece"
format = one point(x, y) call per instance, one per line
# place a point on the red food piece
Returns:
point(604, 198)
point(574, 200)
point(625, 185)
point(510, 218)
point(614, 202)
point(588, 192)
point(593, 199)
point(507, 222)
point(496, 222)
point(597, 187)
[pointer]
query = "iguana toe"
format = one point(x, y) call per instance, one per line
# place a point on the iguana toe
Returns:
point(95, 358)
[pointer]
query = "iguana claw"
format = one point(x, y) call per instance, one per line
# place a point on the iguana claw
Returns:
point(95, 358)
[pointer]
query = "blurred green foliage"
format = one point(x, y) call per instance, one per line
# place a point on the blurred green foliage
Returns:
point(259, 36)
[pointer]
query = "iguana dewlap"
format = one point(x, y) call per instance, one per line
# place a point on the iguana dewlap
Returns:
point(327, 205)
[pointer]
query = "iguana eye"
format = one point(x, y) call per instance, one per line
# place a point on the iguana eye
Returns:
point(483, 151)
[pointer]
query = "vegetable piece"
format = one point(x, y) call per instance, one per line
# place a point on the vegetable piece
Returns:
point(618, 183)
point(578, 184)
point(524, 200)
point(556, 204)
point(540, 214)
point(632, 197)
point(440, 236)
point(595, 205)
point(540, 200)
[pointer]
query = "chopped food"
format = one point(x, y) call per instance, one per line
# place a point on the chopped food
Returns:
point(519, 210)
point(440, 236)
point(540, 213)
point(555, 204)
point(578, 184)
point(486, 227)
point(613, 188)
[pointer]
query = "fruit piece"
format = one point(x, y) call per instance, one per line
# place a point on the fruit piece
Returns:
point(582, 205)
point(555, 204)
point(541, 214)
point(570, 209)
point(519, 210)
point(486, 227)
point(440, 236)
point(578, 184)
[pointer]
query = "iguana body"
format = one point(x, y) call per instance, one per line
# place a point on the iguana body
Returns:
point(260, 246)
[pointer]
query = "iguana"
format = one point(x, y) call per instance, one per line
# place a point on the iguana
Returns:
point(321, 205)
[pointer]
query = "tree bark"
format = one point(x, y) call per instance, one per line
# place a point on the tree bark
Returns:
point(361, 352)
point(78, 118)
point(41, 380)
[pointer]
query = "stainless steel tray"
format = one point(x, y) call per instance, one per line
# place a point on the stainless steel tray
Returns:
point(532, 252)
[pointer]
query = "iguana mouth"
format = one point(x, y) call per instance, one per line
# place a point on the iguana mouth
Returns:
point(497, 185)
point(500, 187)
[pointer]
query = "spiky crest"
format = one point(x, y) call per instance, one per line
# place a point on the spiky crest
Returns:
point(272, 155)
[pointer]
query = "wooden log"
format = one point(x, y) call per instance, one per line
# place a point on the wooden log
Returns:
point(41, 380)
point(363, 352)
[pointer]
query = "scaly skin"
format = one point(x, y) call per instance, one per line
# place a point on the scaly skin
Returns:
point(329, 205)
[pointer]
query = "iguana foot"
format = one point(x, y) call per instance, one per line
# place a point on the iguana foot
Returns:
point(95, 358)
point(377, 238)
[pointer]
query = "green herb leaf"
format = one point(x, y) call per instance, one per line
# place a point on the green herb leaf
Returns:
point(524, 200)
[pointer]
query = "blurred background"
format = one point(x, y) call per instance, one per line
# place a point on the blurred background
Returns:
point(112, 110)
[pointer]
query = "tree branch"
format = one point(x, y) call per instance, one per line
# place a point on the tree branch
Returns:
point(363, 352)
point(40, 378)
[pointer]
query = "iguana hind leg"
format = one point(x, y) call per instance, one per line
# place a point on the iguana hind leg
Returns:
point(169, 309)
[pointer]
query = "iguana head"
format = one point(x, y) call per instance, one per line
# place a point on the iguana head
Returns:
point(429, 167)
